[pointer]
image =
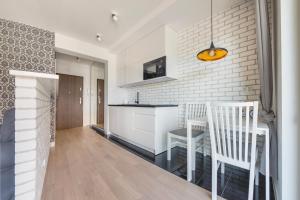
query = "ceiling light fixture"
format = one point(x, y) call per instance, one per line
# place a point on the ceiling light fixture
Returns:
point(99, 37)
point(212, 53)
point(114, 16)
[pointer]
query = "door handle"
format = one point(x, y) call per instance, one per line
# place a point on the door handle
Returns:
point(99, 100)
point(80, 100)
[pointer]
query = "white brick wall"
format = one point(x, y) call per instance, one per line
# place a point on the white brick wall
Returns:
point(235, 78)
point(32, 137)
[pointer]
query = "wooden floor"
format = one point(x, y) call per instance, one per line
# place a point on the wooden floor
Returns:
point(84, 165)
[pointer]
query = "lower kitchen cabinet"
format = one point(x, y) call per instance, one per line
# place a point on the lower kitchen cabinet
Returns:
point(145, 127)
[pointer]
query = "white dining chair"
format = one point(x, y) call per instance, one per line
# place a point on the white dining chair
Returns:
point(193, 113)
point(233, 139)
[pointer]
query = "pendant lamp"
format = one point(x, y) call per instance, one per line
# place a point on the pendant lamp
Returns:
point(212, 53)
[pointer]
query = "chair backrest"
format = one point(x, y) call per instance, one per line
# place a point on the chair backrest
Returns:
point(194, 111)
point(230, 127)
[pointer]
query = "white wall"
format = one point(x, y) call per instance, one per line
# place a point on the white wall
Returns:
point(288, 99)
point(75, 47)
point(66, 64)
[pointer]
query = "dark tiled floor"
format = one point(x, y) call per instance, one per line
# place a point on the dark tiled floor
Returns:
point(233, 185)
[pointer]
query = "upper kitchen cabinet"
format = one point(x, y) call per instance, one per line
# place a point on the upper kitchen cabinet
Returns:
point(157, 44)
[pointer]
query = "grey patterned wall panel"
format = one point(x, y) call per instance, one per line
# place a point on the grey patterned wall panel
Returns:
point(22, 47)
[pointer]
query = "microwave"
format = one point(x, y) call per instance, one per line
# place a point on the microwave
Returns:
point(155, 68)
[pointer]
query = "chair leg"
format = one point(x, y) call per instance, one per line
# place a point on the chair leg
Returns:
point(222, 168)
point(189, 163)
point(251, 183)
point(193, 155)
point(169, 148)
point(257, 177)
point(203, 147)
point(214, 179)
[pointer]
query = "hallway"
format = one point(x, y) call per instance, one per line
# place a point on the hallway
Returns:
point(84, 165)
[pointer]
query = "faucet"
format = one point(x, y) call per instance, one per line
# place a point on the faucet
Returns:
point(137, 100)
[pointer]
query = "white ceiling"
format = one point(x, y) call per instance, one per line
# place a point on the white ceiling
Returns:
point(82, 19)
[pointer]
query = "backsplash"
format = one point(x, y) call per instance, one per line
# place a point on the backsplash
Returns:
point(26, 48)
point(235, 78)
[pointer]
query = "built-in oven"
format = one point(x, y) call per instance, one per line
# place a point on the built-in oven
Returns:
point(155, 68)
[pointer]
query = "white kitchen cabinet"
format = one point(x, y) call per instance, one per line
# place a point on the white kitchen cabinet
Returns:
point(160, 42)
point(145, 127)
point(121, 68)
point(133, 74)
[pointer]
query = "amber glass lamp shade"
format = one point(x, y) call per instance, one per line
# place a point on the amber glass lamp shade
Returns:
point(212, 53)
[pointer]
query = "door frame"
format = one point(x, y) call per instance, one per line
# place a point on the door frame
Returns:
point(103, 101)
point(96, 58)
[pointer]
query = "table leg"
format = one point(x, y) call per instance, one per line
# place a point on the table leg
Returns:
point(193, 155)
point(267, 143)
point(189, 151)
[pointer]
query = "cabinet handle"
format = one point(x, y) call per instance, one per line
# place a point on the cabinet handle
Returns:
point(80, 100)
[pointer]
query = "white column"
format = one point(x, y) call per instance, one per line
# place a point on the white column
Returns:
point(32, 132)
point(288, 86)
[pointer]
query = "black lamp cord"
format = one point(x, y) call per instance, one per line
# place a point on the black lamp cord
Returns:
point(211, 20)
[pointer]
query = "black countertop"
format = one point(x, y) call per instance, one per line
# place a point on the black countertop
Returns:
point(145, 105)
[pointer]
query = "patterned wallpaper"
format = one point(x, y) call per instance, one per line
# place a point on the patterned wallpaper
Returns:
point(27, 48)
point(22, 47)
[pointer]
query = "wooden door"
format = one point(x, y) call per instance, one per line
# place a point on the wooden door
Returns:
point(76, 101)
point(69, 110)
point(100, 102)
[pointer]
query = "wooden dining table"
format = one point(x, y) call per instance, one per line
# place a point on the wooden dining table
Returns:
point(262, 130)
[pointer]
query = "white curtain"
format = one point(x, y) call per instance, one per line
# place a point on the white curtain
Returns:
point(264, 51)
